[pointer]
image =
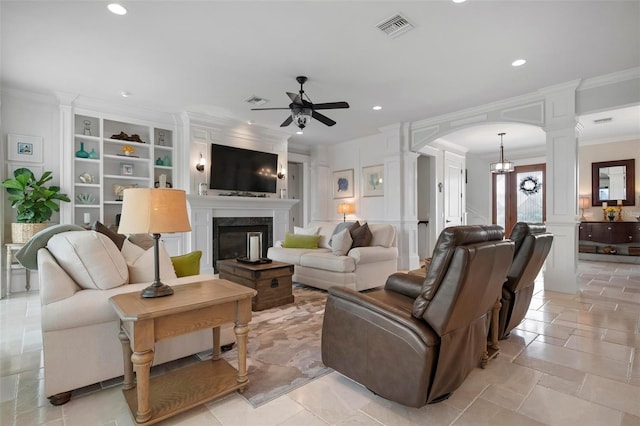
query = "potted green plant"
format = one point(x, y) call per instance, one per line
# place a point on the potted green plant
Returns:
point(33, 201)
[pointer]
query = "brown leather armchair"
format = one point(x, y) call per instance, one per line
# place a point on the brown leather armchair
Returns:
point(417, 339)
point(532, 245)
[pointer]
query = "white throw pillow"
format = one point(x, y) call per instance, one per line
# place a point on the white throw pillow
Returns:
point(90, 258)
point(141, 263)
point(341, 243)
point(312, 230)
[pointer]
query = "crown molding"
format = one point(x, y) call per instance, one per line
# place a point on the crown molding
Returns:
point(615, 77)
point(29, 95)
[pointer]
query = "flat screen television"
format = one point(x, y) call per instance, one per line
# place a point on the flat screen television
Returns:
point(238, 169)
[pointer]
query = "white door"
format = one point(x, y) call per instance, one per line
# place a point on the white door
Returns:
point(453, 189)
point(294, 186)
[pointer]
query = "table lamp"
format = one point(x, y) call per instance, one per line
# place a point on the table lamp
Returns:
point(154, 211)
point(346, 208)
point(584, 203)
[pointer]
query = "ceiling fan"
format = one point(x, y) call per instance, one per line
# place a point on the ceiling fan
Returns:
point(302, 110)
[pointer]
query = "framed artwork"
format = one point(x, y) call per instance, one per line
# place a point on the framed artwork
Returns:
point(373, 181)
point(26, 149)
point(126, 169)
point(343, 184)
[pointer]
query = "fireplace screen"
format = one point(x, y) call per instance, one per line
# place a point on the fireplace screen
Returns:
point(230, 237)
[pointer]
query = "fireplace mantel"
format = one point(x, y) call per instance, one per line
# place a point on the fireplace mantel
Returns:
point(217, 201)
point(202, 210)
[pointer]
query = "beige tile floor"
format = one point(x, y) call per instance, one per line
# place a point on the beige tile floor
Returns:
point(573, 361)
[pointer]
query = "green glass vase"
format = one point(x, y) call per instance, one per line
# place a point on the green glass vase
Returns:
point(82, 153)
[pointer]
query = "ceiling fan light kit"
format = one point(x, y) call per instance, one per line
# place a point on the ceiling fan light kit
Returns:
point(302, 110)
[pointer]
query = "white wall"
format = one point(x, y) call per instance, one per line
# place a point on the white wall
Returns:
point(478, 191)
point(355, 155)
point(588, 154)
point(31, 115)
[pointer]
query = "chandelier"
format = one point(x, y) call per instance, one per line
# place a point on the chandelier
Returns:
point(502, 166)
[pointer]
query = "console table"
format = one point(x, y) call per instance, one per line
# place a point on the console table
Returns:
point(616, 237)
point(196, 306)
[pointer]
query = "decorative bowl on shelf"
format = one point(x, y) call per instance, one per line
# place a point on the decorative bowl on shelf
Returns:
point(85, 198)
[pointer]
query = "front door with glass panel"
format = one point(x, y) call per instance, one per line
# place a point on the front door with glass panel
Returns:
point(519, 196)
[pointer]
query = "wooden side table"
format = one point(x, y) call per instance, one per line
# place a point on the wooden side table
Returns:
point(13, 265)
point(192, 307)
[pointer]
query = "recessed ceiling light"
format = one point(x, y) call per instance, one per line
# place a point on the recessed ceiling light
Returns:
point(518, 62)
point(125, 94)
point(377, 108)
point(250, 122)
point(299, 132)
point(116, 8)
point(459, 1)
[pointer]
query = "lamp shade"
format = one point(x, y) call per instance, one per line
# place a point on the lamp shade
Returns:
point(346, 208)
point(154, 211)
point(584, 202)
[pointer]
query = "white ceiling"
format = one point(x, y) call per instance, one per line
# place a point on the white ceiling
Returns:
point(208, 56)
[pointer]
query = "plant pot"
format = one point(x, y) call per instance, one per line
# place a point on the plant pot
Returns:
point(22, 232)
point(611, 217)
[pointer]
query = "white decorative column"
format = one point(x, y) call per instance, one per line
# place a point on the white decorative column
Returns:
point(562, 187)
point(66, 153)
point(401, 208)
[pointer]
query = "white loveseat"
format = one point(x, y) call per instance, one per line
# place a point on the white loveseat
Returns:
point(360, 269)
point(80, 328)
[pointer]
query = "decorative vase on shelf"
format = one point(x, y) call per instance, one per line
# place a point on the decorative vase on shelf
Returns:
point(93, 154)
point(82, 153)
point(611, 217)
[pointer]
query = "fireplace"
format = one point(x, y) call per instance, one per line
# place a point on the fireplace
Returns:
point(230, 236)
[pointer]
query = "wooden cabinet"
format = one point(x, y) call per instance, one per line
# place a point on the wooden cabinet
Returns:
point(617, 234)
point(111, 153)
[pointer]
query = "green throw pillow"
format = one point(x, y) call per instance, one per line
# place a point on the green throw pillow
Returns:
point(187, 264)
point(300, 241)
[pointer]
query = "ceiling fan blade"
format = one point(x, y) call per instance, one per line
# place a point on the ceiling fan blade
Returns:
point(265, 109)
point(286, 122)
point(323, 118)
point(331, 105)
point(295, 97)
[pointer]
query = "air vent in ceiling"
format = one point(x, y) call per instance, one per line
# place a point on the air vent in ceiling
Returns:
point(256, 100)
point(602, 120)
point(395, 25)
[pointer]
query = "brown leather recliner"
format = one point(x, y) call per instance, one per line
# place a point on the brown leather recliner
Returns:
point(532, 245)
point(416, 340)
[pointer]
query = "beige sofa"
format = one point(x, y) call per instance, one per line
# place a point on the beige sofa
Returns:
point(360, 269)
point(80, 328)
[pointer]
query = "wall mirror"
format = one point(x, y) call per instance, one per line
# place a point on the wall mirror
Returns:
point(612, 181)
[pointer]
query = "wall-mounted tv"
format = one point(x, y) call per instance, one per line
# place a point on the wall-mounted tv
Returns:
point(237, 169)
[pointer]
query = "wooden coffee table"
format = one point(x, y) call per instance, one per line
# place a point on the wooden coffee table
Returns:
point(196, 306)
point(272, 281)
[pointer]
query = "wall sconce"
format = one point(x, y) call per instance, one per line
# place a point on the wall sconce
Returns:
point(346, 208)
point(584, 203)
point(200, 164)
point(282, 173)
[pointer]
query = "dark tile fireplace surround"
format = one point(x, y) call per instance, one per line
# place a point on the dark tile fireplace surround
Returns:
point(230, 236)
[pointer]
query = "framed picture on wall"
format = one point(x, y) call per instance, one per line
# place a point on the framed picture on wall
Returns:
point(373, 181)
point(343, 184)
point(126, 168)
point(26, 149)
